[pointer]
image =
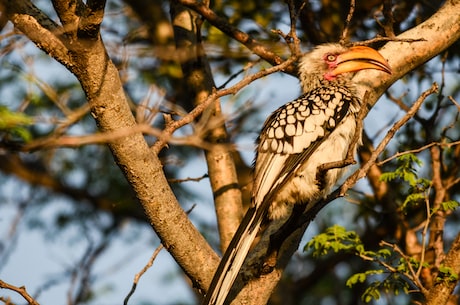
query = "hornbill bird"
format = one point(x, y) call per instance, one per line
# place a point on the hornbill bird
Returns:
point(315, 129)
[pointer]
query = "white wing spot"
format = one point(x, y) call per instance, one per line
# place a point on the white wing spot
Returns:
point(329, 112)
point(265, 145)
point(308, 127)
point(274, 145)
point(279, 133)
point(331, 122)
point(290, 130)
point(280, 147)
point(305, 113)
point(299, 128)
point(287, 148)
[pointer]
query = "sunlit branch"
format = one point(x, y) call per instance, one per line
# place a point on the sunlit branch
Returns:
point(21, 290)
point(346, 29)
point(164, 138)
point(222, 24)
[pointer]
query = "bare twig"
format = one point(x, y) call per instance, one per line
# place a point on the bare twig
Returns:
point(147, 266)
point(361, 172)
point(55, 140)
point(292, 39)
point(81, 273)
point(424, 234)
point(454, 102)
point(417, 150)
point(389, 19)
point(386, 39)
point(197, 179)
point(398, 100)
point(141, 273)
point(346, 28)
point(21, 290)
point(11, 239)
point(234, 75)
point(412, 275)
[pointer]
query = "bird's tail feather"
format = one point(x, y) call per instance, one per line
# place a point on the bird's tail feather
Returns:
point(233, 258)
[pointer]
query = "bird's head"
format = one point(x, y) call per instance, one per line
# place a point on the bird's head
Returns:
point(333, 61)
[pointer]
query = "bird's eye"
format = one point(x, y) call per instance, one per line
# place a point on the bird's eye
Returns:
point(331, 57)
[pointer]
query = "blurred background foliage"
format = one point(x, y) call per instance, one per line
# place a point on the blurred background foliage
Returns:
point(56, 190)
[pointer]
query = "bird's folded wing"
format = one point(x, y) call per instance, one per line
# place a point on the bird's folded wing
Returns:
point(290, 138)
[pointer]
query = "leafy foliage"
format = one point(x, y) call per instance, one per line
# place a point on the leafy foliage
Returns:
point(407, 171)
point(446, 274)
point(384, 276)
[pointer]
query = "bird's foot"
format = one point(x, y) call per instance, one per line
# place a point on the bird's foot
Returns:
point(269, 262)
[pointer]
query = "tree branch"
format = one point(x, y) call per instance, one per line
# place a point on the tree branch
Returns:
point(345, 33)
point(230, 30)
point(69, 12)
point(90, 22)
point(21, 290)
point(390, 134)
point(39, 28)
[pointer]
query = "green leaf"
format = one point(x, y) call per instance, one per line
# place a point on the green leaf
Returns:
point(413, 200)
point(361, 277)
point(372, 292)
point(387, 177)
point(15, 122)
point(384, 253)
point(446, 274)
point(449, 205)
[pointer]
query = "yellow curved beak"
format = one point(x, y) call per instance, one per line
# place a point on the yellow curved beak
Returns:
point(360, 58)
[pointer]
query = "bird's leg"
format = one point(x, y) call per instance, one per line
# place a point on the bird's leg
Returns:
point(277, 239)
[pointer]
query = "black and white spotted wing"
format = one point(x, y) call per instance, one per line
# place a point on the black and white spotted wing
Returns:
point(293, 132)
